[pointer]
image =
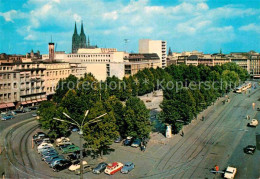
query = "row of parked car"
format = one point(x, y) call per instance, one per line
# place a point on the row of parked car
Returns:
point(71, 162)
point(11, 114)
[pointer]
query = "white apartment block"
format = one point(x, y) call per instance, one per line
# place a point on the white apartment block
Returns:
point(154, 46)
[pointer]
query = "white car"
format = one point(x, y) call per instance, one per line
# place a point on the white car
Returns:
point(230, 172)
point(62, 139)
point(45, 148)
point(76, 165)
point(253, 123)
point(114, 167)
point(42, 145)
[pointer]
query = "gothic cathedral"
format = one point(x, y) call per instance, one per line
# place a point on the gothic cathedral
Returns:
point(79, 41)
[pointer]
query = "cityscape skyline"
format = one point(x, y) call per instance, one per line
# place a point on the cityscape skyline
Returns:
point(186, 25)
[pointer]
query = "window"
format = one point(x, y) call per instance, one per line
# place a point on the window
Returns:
point(14, 75)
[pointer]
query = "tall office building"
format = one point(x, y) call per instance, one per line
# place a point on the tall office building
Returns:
point(154, 46)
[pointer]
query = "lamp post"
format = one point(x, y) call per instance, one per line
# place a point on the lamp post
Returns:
point(80, 126)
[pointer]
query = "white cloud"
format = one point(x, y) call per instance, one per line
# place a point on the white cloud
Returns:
point(30, 37)
point(250, 27)
point(77, 17)
point(9, 16)
point(110, 15)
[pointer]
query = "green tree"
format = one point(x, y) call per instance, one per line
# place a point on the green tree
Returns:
point(137, 118)
point(99, 136)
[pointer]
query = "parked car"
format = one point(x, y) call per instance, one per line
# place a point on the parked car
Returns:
point(86, 168)
point(19, 111)
point(70, 149)
point(6, 117)
point(64, 145)
point(27, 109)
point(43, 145)
point(230, 172)
point(250, 149)
point(128, 141)
point(127, 167)
point(58, 140)
point(136, 143)
point(11, 113)
point(73, 156)
point(46, 148)
point(33, 107)
point(34, 114)
point(114, 167)
point(76, 165)
point(39, 135)
point(50, 159)
point(56, 161)
point(63, 164)
point(118, 139)
point(49, 154)
point(100, 168)
point(46, 151)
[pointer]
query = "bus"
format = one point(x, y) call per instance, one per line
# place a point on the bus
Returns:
point(243, 87)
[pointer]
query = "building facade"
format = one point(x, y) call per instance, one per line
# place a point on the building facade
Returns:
point(154, 46)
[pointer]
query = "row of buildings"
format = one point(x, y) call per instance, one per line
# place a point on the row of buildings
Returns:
point(250, 61)
point(26, 80)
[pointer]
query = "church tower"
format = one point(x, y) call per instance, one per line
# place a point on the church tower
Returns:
point(75, 40)
point(82, 37)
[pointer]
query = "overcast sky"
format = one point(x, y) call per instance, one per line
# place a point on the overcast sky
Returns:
point(232, 25)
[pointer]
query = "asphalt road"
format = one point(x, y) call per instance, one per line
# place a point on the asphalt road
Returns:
point(219, 139)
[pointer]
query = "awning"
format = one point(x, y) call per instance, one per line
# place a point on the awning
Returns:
point(44, 99)
point(3, 106)
point(23, 103)
point(10, 105)
point(39, 100)
point(28, 102)
point(34, 101)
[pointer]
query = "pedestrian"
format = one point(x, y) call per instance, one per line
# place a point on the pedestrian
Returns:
point(216, 168)
point(144, 148)
point(182, 133)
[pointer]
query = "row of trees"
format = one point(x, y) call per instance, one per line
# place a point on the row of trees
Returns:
point(184, 97)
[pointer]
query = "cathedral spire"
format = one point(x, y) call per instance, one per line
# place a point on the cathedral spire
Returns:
point(88, 42)
point(75, 29)
point(82, 29)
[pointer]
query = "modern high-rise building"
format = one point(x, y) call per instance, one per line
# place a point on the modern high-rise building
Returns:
point(154, 46)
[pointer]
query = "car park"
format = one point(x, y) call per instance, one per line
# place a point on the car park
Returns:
point(128, 141)
point(114, 167)
point(27, 109)
point(250, 149)
point(127, 167)
point(49, 152)
point(76, 165)
point(100, 168)
point(230, 172)
point(86, 168)
point(136, 143)
point(63, 164)
point(70, 149)
point(19, 111)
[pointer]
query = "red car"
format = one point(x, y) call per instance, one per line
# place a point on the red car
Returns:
point(114, 167)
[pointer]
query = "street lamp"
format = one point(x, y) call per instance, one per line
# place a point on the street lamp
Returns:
point(80, 126)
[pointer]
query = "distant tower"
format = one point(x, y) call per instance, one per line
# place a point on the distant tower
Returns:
point(88, 42)
point(170, 51)
point(75, 40)
point(51, 51)
point(82, 37)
